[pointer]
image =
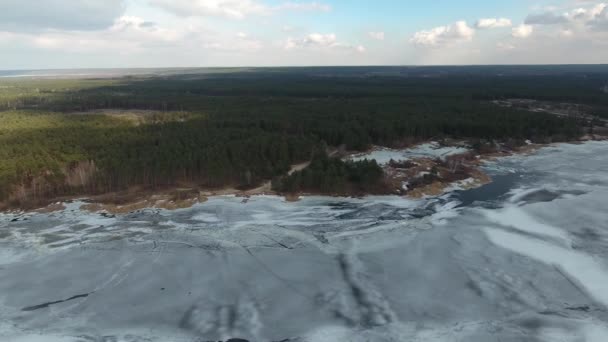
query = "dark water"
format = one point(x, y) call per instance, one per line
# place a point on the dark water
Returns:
point(493, 192)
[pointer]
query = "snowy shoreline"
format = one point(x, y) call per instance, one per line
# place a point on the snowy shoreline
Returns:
point(525, 261)
point(172, 199)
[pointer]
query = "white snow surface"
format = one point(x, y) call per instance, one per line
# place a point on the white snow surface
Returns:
point(431, 150)
point(522, 259)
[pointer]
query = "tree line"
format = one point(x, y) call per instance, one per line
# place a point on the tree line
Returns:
point(231, 130)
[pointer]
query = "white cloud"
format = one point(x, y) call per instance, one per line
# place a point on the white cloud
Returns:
point(595, 18)
point(566, 33)
point(126, 22)
point(304, 6)
point(6, 37)
point(489, 23)
point(320, 41)
point(127, 35)
point(444, 35)
point(237, 9)
point(312, 40)
point(575, 25)
point(291, 44)
point(505, 46)
point(522, 31)
point(245, 42)
point(599, 17)
point(27, 15)
point(131, 35)
point(89, 33)
point(377, 35)
point(547, 18)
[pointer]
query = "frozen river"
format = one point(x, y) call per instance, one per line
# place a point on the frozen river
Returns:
point(522, 259)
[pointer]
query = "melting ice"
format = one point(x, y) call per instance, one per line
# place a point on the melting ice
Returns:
point(522, 259)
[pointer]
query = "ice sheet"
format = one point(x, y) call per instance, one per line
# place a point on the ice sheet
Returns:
point(525, 264)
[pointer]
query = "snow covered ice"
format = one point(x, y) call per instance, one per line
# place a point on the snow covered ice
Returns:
point(430, 150)
point(521, 259)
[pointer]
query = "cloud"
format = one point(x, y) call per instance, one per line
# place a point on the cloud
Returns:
point(546, 19)
point(97, 33)
point(28, 15)
point(595, 17)
point(312, 40)
point(126, 22)
point(235, 9)
point(377, 35)
point(244, 42)
point(599, 17)
point(444, 35)
point(522, 31)
point(566, 33)
point(320, 41)
point(130, 35)
point(305, 6)
point(505, 46)
point(490, 23)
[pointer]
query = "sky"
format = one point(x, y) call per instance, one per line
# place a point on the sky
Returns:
point(44, 34)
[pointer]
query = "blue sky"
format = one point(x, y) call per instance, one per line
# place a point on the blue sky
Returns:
point(165, 33)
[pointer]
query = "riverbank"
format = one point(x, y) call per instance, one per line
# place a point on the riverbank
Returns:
point(430, 169)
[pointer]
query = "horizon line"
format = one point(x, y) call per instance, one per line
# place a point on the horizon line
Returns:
point(306, 66)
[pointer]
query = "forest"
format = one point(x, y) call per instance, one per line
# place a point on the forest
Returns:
point(238, 128)
point(333, 176)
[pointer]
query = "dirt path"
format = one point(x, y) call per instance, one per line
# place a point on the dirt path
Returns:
point(298, 167)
